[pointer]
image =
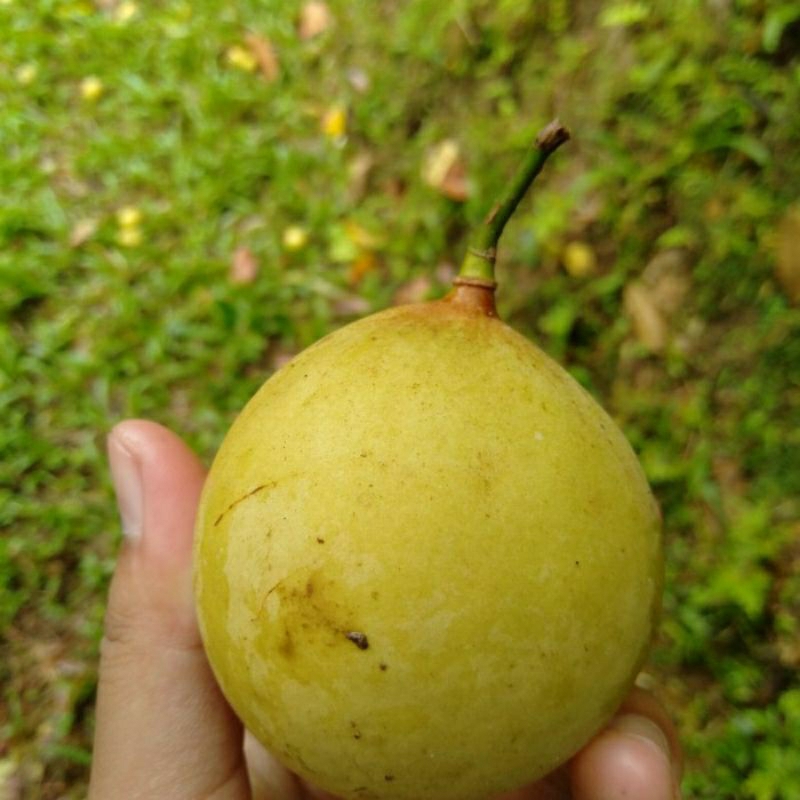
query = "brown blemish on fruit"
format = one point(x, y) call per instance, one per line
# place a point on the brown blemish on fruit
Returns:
point(286, 647)
point(309, 613)
point(383, 667)
point(320, 540)
point(358, 638)
point(388, 778)
point(244, 497)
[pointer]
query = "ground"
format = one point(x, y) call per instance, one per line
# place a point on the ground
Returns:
point(192, 192)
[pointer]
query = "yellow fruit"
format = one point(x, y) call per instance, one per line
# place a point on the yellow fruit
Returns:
point(427, 563)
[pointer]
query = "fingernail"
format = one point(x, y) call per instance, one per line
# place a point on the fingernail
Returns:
point(642, 728)
point(126, 475)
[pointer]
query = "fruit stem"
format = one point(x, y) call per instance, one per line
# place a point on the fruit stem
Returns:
point(478, 264)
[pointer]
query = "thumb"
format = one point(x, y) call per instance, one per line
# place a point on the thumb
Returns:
point(163, 728)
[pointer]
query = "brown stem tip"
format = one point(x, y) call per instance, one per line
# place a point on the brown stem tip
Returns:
point(552, 136)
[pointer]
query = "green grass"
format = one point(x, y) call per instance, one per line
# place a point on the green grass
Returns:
point(685, 127)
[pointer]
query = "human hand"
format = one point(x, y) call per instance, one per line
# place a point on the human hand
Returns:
point(163, 728)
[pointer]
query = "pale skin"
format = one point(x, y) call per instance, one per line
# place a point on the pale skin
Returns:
point(163, 727)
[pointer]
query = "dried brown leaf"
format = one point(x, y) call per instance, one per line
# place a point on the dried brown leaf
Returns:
point(649, 325)
point(456, 183)
point(358, 79)
point(351, 305)
point(445, 170)
point(364, 263)
point(82, 231)
point(244, 266)
point(264, 54)
point(787, 267)
point(667, 277)
point(359, 171)
point(315, 18)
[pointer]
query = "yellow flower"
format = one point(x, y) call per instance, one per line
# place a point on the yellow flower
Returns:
point(125, 11)
point(294, 237)
point(129, 237)
point(26, 74)
point(91, 88)
point(579, 259)
point(334, 122)
point(241, 58)
point(129, 217)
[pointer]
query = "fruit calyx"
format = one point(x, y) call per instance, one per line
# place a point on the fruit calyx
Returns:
point(475, 285)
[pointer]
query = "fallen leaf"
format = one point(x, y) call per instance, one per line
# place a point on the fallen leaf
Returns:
point(315, 18)
point(445, 171)
point(439, 159)
point(82, 231)
point(579, 259)
point(649, 325)
point(363, 264)
point(787, 266)
point(394, 187)
point(350, 305)
point(415, 291)
point(667, 277)
point(358, 79)
point(456, 183)
point(264, 54)
point(359, 171)
point(244, 266)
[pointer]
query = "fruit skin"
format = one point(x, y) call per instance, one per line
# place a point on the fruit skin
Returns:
point(428, 564)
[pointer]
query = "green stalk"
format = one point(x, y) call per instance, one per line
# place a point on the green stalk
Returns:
point(478, 264)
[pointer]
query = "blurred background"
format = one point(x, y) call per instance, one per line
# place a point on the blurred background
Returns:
point(191, 192)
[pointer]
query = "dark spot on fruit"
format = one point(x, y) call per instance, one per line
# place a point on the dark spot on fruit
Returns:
point(356, 731)
point(286, 647)
point(383, 667)
point(364, 454)
point(320, 540)
point(358, 639)
point(577, 563)
point(388, 778)
point(309, 589)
